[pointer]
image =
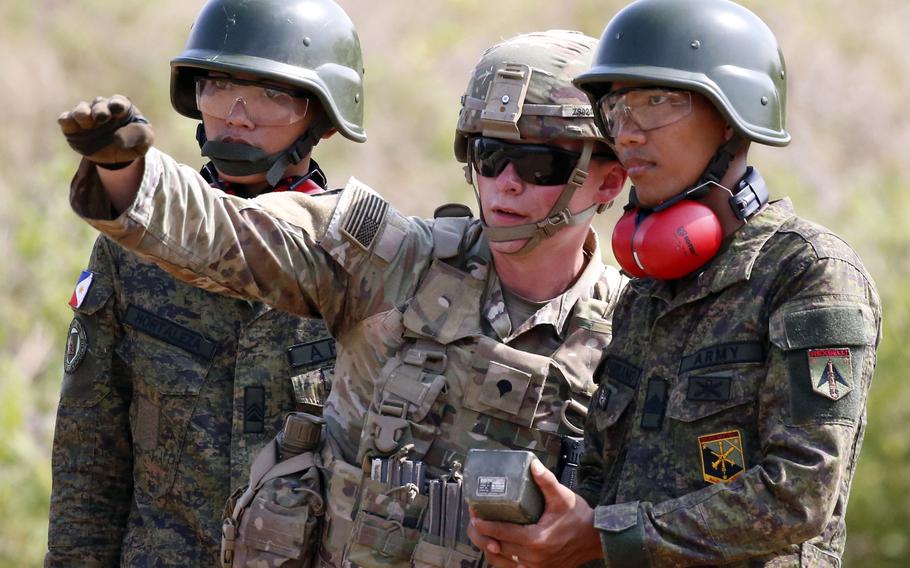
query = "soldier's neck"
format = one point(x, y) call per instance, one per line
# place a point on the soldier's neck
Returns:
point(540, 275)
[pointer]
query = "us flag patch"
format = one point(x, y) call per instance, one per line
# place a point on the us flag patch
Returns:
point(831, 372)
point(364, 218)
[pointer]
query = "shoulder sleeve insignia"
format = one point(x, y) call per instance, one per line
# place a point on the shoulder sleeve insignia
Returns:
point(364, 218)
point(76, 346)
point(722, 456)
point(83, 283)
point(831, 372)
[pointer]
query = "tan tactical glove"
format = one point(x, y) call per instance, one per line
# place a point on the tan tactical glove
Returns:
point(110, 132)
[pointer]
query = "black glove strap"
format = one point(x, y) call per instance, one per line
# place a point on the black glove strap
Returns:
point(91, 141)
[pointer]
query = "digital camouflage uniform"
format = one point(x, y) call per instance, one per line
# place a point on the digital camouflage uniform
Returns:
point(730, 413)
point(732, 401)
point(162, 410)
point(177, 390)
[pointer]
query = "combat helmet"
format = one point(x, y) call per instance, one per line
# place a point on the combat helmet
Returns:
point(521, 89)
point(310, 45)
point(713, 47)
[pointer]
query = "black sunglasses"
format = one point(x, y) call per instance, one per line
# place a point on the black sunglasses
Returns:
point(534, 163)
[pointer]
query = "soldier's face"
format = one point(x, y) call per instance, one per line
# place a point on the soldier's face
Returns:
point(238, 126)
point(663, 161)
point(507, 200)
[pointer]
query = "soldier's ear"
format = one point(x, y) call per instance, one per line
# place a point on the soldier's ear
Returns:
point(329, 133)
point(612, 182)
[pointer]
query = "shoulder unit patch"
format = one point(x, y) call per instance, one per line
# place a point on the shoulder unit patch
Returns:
point(76, 346)
point(831, 372)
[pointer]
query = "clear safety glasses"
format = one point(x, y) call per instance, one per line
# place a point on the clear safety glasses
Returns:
point(534, 163)
point(264, 106)
point(648, 108)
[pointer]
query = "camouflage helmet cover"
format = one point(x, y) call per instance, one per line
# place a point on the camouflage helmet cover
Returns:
point(713, 47)
point(522, 89)
point(311, 45)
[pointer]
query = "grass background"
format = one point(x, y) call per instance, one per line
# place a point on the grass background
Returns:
point(847, 168)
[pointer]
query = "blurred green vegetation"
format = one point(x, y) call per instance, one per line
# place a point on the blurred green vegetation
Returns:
point(847, 168)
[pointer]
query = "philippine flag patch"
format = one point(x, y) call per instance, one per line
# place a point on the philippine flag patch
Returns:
point(82, 286)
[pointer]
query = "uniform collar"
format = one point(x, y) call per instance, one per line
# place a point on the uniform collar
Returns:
point(556, 311)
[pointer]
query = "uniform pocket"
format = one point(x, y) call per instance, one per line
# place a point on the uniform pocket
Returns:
point(280, 526)
point(506, 383)
point(608, 404)
point(713, 418)
point(708, 392)
point(166, 383)
point(378, 542)
point(386, 529)
point(431, 555)
point(343, 485)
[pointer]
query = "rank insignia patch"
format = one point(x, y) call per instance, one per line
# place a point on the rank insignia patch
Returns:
point(831, 372)
point(76, 346)
point(722, 457)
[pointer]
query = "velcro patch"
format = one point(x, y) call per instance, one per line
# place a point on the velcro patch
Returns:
point(722, 456)
point(254, 410)
point(709, 388)
point(652, 415)
point(505, 387)
point(723, 354)
point(76, 346)
point(621, 371)
point(170, 332)
point(364, 218)
point(831, 372)
point(312, 354)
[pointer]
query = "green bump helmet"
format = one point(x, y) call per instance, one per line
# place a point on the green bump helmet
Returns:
point(522, 88)
point(306, 44)
point(714, 47)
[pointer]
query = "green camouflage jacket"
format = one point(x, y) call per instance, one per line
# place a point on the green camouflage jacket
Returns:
point(731, 409)
point(391, 289)
point(169, 391)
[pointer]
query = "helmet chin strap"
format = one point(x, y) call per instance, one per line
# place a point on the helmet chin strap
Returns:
point(557, 219)
point(745, 202)
point(242, 160)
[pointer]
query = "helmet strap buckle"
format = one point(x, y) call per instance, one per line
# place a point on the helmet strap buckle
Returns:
point(552, 224)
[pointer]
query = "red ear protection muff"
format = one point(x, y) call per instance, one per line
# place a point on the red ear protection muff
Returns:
point(666, 244)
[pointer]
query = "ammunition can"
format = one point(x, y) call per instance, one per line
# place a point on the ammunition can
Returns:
point(499, 486)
